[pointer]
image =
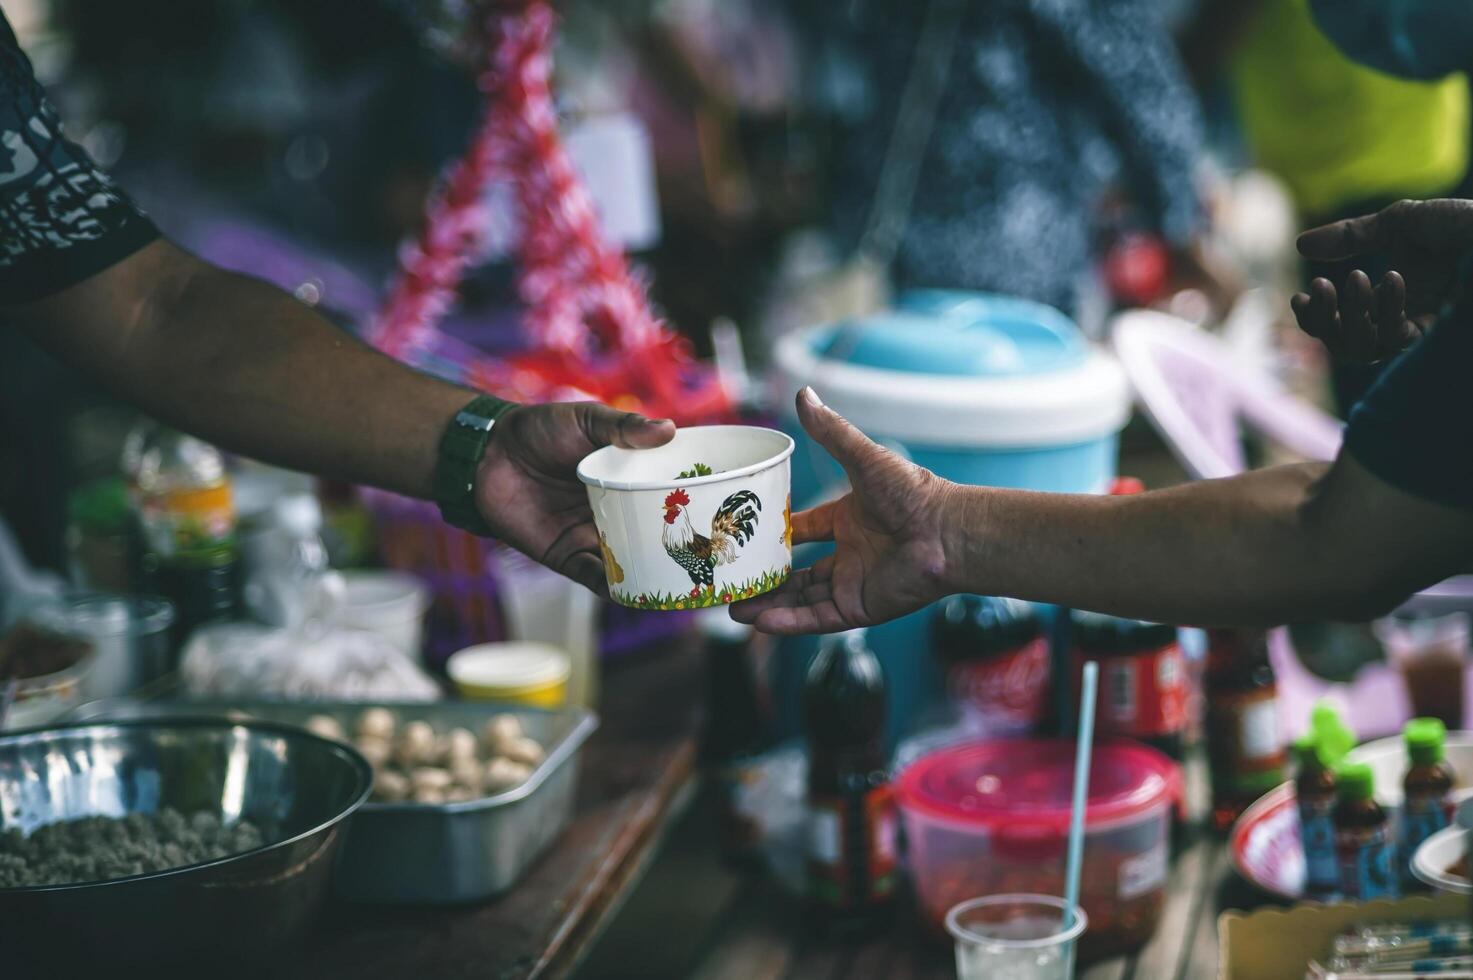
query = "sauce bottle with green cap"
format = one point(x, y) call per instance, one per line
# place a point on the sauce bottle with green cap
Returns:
point(1363, 843)
point(1314, 790)
point(1427, 789)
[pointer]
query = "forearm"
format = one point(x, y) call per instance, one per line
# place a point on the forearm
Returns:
point(1272, 546)
point(246, 366)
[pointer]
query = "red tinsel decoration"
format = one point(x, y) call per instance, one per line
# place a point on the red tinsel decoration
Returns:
point(591, 329)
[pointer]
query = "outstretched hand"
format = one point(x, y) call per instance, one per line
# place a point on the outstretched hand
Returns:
point(1424, 241)
point(527, 485)
point(889, 556)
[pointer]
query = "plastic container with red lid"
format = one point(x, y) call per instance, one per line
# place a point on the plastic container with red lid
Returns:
point(983, 818)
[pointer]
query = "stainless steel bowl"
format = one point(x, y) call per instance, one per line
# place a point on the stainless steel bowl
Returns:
point(223, 914)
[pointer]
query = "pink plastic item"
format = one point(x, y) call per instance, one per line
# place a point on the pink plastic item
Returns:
point(1198, 397)
point(1021, 789)
point(592, 331)
point(983, 818)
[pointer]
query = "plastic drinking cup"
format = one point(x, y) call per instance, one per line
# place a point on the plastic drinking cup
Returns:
point(1015, 937)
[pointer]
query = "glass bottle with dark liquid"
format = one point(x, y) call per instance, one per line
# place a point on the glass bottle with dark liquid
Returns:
point(737, 731)
point(1243, 746)
point(851, 810)
point(1426, 791)
point(1143, 682)
point(1314, 793)
point(1362, 835)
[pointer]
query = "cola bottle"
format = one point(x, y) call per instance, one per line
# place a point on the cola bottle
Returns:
point(851, 809)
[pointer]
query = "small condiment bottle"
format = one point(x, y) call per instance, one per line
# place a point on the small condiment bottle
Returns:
point(1243, 746)
point(851, 857)
point(1363, 845)
point(1426, 790)
point(736, 735)
point(1314, 791)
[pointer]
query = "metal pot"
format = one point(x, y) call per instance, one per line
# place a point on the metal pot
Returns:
point(223, 915)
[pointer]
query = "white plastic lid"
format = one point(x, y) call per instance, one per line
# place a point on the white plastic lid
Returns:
point(988, 372)
point(509, 666)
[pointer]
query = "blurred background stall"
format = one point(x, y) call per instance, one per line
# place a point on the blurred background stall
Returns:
point(1044, 244)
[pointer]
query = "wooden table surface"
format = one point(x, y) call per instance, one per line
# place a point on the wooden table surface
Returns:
point(636, 771)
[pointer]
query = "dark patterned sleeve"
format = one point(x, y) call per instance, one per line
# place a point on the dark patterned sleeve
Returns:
point(61, 218)
point(1414, 428)
point(1126, 59)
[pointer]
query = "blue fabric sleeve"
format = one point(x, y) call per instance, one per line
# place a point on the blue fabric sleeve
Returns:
point(1414, 428)
point(61, 218)
point(1125, 53)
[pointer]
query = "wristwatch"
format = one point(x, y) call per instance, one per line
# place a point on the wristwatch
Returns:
point(461, 449)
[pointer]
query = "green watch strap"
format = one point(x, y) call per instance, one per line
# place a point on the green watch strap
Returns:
point(461, 449)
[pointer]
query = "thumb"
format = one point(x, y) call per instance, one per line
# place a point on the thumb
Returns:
point(1342, 239)
point(851, 448)
point(605, 426)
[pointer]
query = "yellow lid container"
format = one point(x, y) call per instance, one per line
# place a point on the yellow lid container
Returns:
point(528, 673)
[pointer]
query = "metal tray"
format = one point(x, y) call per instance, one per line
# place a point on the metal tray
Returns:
point(416, 852)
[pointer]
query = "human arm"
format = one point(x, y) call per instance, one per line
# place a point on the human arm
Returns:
point(1276, 545)
point(1284, 544)
point(241, 364)
point(246, 366)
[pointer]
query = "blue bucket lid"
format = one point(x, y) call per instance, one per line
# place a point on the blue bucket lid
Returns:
point(961, 369)
point(957, 335)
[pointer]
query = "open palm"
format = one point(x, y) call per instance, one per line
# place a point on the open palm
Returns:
point(889, 557)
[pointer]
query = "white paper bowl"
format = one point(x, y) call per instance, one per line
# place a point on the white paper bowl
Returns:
point(1436, 855)
point(659, 548)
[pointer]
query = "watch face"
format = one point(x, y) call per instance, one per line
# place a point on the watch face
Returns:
point(472, 421)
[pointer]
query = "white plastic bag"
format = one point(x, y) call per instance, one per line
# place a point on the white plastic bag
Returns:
point(247, 660)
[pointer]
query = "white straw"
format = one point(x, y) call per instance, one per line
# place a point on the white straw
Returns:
point(1081, 784)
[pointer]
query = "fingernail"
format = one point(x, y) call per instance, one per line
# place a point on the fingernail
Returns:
point(811, 397)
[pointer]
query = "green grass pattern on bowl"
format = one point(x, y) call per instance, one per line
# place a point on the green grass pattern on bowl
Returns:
point(720, 596)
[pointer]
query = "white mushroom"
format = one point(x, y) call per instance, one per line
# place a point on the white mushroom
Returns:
point(377, 722)
point(468, 773)
point(428, 795)
point(326, 726)
point(430, 778)
point(416, 745)
point(458, 743)
point(499, 731)
point(376, 750)
point(390, 786)
point(503, 774)
point(523, 750)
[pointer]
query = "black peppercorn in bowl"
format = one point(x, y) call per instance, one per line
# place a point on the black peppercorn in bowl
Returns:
point(257, 811)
